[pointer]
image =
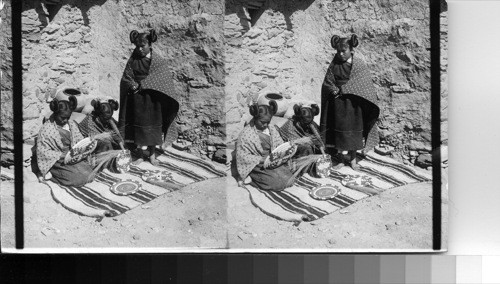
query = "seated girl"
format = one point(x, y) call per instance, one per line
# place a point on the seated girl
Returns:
point(56, 137)
point(100, 122)
point(254, 144)
point(303, 125)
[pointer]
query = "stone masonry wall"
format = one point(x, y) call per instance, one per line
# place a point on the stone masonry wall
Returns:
point(287, 50)
point(213, 49)
point(86, 45)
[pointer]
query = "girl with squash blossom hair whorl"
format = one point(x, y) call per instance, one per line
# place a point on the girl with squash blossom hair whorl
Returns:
point(254, 145)
point(348, 103)
point(148, 101)
point(55, 139)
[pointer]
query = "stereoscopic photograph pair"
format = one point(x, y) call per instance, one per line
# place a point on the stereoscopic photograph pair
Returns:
point(224, 126)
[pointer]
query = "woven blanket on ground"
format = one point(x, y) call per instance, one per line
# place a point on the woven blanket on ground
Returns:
point(295, 204)
point(96, 200)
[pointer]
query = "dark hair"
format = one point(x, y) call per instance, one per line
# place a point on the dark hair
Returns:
point(336, 40)
point(58, 106)
point(98, 105)
point(314, 108)
point(305, 114)
point(135, 36)
point(114, 104)
point(261, 110)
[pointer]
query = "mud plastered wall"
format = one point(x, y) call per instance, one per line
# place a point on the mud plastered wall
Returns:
point(285, 46)
point(85, 44)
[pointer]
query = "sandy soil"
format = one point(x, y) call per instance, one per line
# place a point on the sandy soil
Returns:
point(193, 217)
point(208, 215)
point(399, 218)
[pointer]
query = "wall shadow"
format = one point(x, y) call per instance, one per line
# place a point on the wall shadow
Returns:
point(250, 11)
point(48, 9)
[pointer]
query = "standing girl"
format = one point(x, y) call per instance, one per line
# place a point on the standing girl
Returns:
point(148, 102)
point(348, 108)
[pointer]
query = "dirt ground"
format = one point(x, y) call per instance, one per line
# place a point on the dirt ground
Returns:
point(206, 215)
point(193, 217)
point(399, 218)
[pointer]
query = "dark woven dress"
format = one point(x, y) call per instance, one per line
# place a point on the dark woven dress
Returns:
point(144, 109)
point(348, 120)
point(148, 118)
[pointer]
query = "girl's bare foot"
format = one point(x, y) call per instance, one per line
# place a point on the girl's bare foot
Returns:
point(339, 159)
point(153, 160)
point(354, 165)
point(152, 156)
point(337, 166)
point(138, 154)
point(41, 179)
point(353, 162)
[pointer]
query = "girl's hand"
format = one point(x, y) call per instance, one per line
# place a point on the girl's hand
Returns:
point(322, 149)
point(136, 89)
point(338, 94)
point(267, 162)
point(63, 155)
point(41, 179)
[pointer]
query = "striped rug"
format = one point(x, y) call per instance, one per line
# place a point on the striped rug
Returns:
point(295, 204)
point(96, 200)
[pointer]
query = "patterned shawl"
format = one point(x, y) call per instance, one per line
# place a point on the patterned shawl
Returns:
point(160, 79)
point(359, 84)
point(91, 126)
point(292, 130)
point(49, 146)
point(249, 149)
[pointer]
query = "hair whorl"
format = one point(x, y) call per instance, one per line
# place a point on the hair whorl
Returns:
point(296, 110)
point(133, 36)
point(152, 36)
point(334, 41)
point(254, 109)
point(114, 104)
point(54, 105)
point(354, 42)
point(315, 109)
